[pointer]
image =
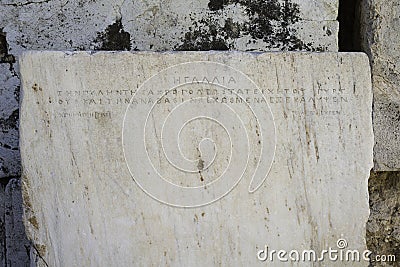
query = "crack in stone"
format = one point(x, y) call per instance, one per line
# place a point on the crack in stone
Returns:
point(27, 3)
point(4, 56)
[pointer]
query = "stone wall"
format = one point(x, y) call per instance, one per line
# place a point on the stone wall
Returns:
point(380, 40)
point(153, 25)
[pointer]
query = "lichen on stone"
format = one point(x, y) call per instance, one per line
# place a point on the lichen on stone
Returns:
point(113, 38)
point(267, 21)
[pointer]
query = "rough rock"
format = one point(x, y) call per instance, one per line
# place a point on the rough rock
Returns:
point(381, 39)
point(9, 94)
point(270, 149)
point(2, 225)
point(383, 227)
point(171, 25)
point(9, 97)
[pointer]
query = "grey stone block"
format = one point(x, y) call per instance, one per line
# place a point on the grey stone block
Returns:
point(17, 245)
point(9, 98)
point(381, 40)
point(171, 25)
point(2, 225)
point(386, 118)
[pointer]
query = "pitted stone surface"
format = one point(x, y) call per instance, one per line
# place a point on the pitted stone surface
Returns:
point(381, 41)
point(9, 97)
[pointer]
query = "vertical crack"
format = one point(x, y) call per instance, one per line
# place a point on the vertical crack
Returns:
point(4, 56)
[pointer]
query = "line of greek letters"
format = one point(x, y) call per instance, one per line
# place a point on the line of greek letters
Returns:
point(273, 96)
point(210, 80)
point(95, 115)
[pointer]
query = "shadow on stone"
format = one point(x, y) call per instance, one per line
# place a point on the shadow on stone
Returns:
point(17, 246)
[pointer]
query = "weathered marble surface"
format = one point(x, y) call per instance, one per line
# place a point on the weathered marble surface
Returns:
point(381, 39)
point(84, 209)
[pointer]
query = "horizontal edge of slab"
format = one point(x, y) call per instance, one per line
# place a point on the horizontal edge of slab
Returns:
point(362, 57)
